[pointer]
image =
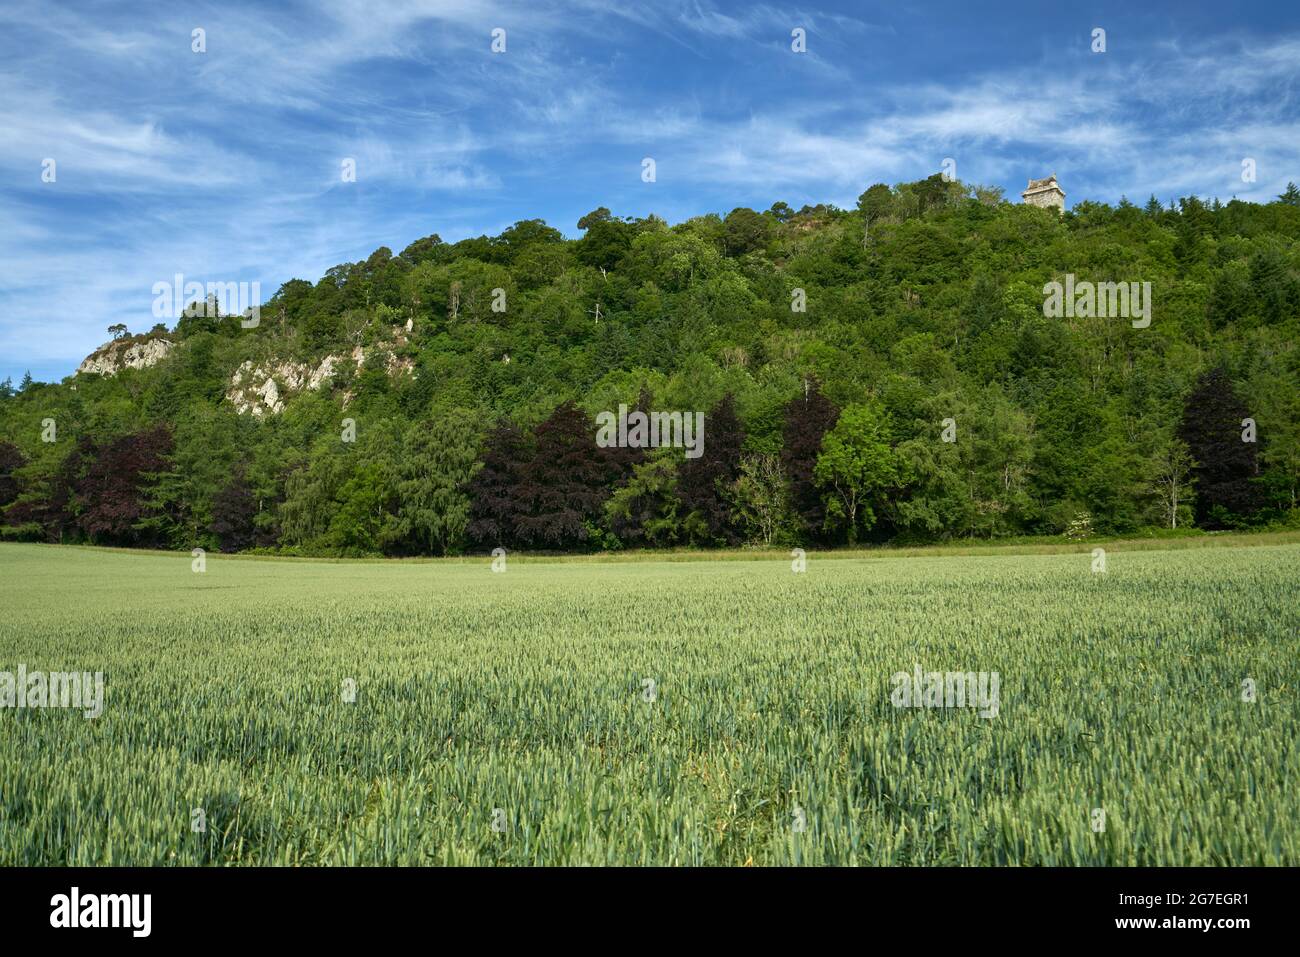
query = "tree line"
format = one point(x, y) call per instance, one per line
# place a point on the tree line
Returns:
point(439, 487)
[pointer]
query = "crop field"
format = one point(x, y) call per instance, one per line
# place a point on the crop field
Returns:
point(669, 713)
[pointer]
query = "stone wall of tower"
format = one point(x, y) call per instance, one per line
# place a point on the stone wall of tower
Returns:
point(1047, 199)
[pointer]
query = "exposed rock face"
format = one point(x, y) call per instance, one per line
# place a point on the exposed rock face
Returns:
point(395, 365)
point(254, 389)
point(112, 357)
point(261, 388)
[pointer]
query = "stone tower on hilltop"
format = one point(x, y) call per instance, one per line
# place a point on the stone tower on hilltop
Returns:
point(1046, 193)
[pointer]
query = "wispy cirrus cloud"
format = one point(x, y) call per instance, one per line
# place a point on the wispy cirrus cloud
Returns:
point(226, 164)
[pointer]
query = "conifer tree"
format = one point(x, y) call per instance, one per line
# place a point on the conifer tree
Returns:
point(704, 482)
point(1225, 464)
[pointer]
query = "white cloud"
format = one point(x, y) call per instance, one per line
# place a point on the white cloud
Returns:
point(225, 165)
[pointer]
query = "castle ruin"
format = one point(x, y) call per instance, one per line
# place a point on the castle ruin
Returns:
point(1046, 193)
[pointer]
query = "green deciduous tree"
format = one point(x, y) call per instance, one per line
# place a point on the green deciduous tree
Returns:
point(855, 467)
point(760, 498)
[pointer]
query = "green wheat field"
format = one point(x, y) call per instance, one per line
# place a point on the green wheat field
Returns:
point(510, 718)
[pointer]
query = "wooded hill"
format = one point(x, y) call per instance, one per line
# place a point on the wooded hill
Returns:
point(880, 373)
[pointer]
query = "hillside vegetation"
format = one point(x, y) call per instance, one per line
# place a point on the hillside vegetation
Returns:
point(885, 373)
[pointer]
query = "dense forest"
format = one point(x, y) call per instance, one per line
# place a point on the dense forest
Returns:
point(883, 373)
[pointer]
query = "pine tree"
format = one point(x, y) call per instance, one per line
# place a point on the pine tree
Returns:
point(1225, 464)
point(1291, 196)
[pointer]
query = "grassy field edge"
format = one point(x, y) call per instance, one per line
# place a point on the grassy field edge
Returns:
point(1049, 546)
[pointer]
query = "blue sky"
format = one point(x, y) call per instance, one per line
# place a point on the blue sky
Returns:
point(226, 165)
